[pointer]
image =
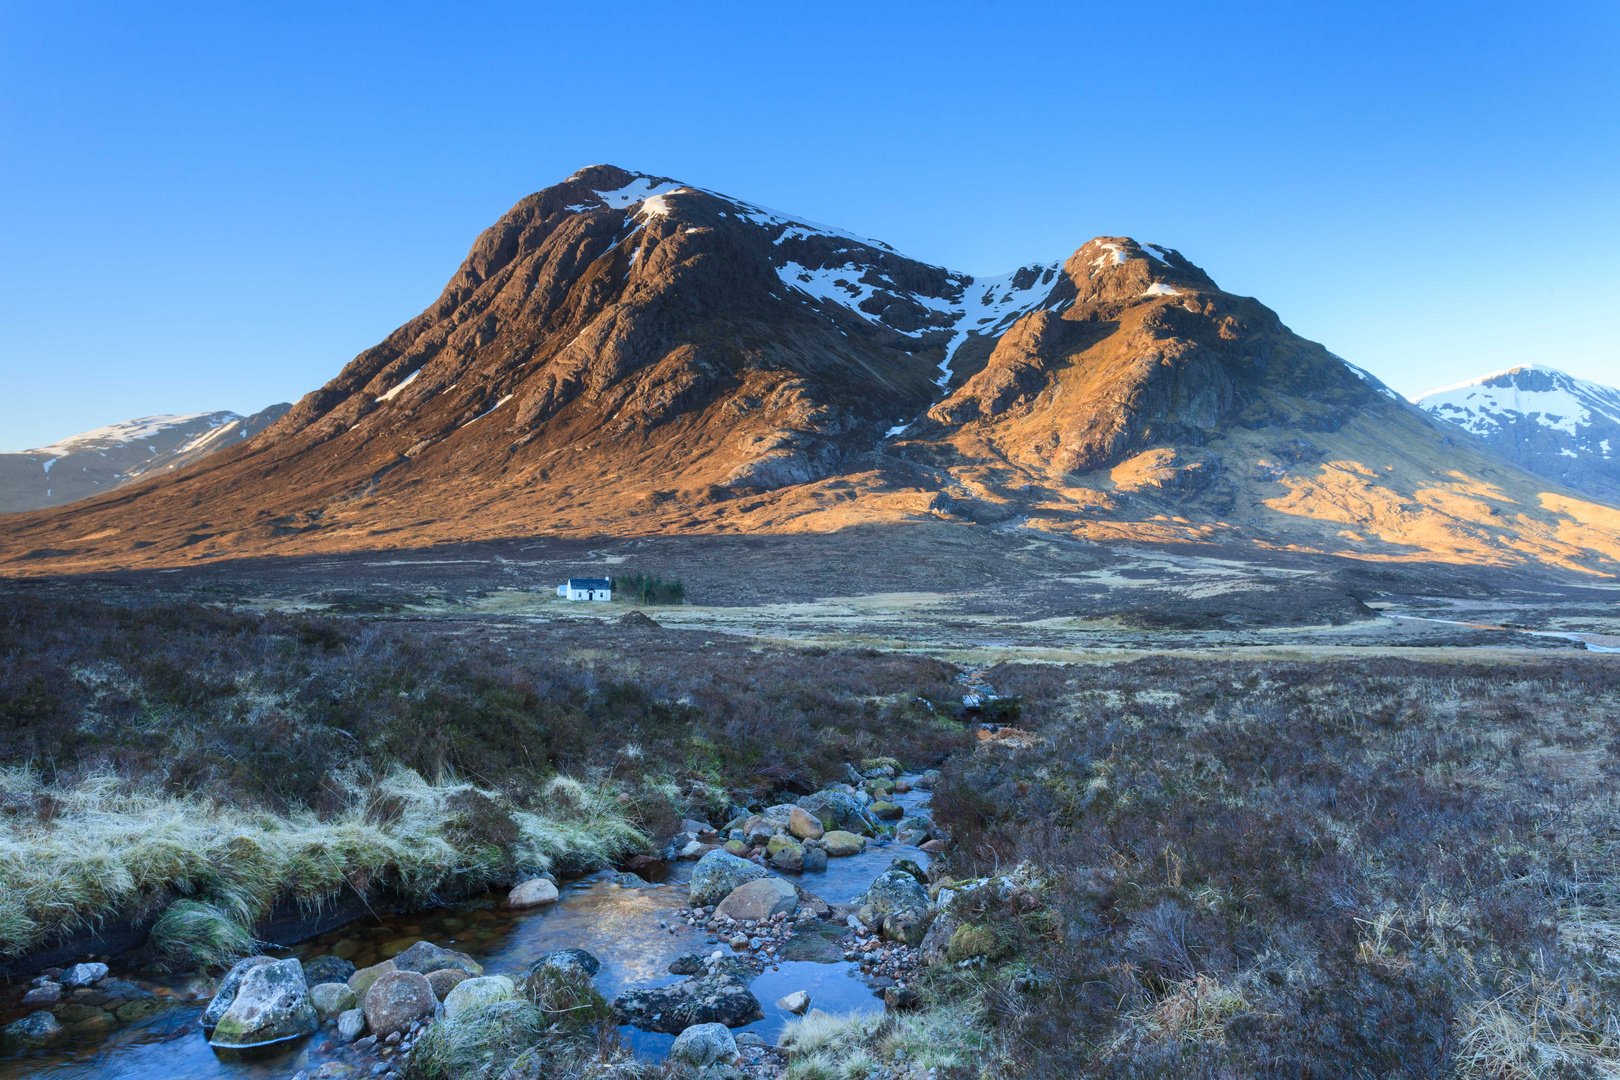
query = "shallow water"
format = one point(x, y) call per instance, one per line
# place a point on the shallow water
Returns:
point(620, 926)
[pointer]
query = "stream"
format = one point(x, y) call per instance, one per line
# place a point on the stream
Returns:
point(620, 925)
point(1603, 643)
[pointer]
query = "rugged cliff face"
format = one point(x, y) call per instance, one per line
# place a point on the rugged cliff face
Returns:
point(624, 354)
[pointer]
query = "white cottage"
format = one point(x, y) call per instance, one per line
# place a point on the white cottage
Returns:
point(586, 588)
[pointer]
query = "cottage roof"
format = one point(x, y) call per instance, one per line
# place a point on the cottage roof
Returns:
point(589, 583)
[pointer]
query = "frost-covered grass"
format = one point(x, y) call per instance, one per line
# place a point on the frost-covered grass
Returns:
point(1378, 868)
point(103, 846)
point(853, 1046)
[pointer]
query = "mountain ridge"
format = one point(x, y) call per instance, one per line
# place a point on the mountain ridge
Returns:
point(102, 459)
point(1541, 418)
point(623, 354)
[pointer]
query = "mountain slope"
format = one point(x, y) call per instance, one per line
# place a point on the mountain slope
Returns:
point(1551, 423)
point(94, 462)
point(624, 354)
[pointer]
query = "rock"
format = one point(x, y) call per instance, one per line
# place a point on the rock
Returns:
point(72, 1014)
point(795, 1003)
point(909, 866)
point(647, 868)
point(396, 1000)
point(122, 988)
point(805, 825)
point(722, 998)
point(567, 960)
point(900, 998)
point(814, 858)
point(757, 830)
point(840, 843)
point(83, 975)
point(686, 964)
point(936, 943)
point(346, 949)
point(785, 854)
point(935, 846)
point(906, 927)
point(717, 874)
point(271, 1004)
point(759, 899)
point(425, 956)
point(360, 982)
point(445, 980)
point(893, 892)
point(627, 881)
point(141, 1008)
point(36, 1031)
point(735, 847)
point(327, 969)
point(914, 831)
point(902, 786)
point(926, 781)
point(48, 994)
point(226, 993)
point(750, 1038)
point(838, 810)
point(703, 1044)
point(350, 1024)
point(331, 998)
point(887, 811)
point(476, 993)
point(700, 829)
point(536, 892)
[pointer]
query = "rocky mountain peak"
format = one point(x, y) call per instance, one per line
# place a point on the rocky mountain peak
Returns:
point(626, 352)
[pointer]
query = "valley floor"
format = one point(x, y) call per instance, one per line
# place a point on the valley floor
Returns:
point(1257, 816)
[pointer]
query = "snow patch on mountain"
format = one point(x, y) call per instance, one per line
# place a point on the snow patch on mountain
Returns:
point(1544, 419)
point(1531, 392)
point(127, 431)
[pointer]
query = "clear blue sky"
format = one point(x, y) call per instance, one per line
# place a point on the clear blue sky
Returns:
point(217, 205)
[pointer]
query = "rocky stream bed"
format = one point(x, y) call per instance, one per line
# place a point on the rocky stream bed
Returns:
point(786, 910)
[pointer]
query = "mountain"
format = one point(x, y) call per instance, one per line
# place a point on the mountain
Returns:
point(1553, 424)
point(624, 354)
point(94, 462)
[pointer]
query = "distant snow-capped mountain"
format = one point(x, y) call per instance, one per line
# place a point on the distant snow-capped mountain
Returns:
point(96, 461)
point(1549, 422)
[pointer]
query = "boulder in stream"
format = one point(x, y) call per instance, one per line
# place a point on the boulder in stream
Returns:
point(703, 1044)
point(226, 993)
point(331, 998)
point(397, 1000)
point(840, 843)
point(425, 957)
point(797, 1003)
point(894, 892)
point(716, 874)
point(476, 993)
point(759, 900)
point(721, 998)
point(567, 960)
point(351, 1025)
point(83, 975)
point(35, 1031)
point(805, 825)
point(445, 980)
point(361, 981)
point(536, 892)
point(272, 1003)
